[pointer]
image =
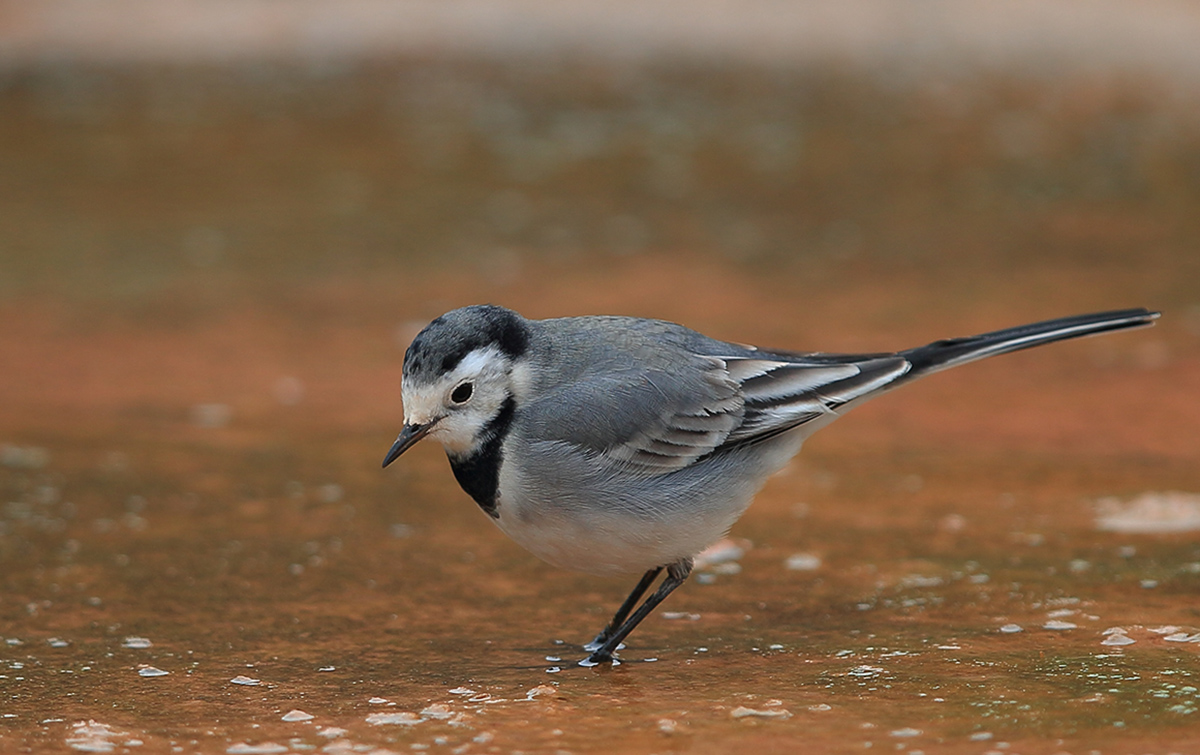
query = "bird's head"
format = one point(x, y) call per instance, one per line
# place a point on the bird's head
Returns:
point(458, 374)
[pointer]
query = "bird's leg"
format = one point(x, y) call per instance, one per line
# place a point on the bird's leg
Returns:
point(677, 574)
point(622, 612)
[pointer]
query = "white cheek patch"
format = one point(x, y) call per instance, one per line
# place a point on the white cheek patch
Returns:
point(459, 433)
point(425, 403)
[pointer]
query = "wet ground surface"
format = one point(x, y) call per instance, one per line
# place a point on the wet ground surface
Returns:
point(209, 279)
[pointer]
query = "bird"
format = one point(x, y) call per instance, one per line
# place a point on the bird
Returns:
point(624, 445)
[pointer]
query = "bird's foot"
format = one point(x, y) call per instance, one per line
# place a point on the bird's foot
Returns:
point(598, 643)
point(598, 658)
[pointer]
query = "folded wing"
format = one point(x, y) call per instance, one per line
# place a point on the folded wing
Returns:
point(781, 395)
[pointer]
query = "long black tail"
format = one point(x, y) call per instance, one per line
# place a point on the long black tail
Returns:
point(952, 352)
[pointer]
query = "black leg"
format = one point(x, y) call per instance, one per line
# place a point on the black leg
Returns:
point(622, 612)
point(677, 574)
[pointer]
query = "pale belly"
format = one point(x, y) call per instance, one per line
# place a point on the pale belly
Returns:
point(572, 517)
point(607, 544)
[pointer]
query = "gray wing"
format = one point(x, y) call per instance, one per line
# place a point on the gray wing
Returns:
point(783, 391)
point(655, 421)
point(652, 420)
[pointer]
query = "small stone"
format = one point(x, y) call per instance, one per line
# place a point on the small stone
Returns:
point(744, 712)
point(440, 711)
point(1182, 637)
point(803, 562)
point(266, 748)
point(400, 718)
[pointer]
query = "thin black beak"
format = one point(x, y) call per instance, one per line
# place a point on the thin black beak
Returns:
point(406, 439)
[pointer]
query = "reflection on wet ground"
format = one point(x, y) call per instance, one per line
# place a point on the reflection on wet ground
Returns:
point(208, 283)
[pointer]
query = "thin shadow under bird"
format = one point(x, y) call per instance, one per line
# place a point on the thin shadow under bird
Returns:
point(616, 445)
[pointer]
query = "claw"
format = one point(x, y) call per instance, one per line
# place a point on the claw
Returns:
point(598, 643)
point(595, 659)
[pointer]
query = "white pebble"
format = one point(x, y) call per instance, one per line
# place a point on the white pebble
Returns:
point(720, 552)
point(1151, 512)
point(803, 562)
point(266, 748)
point(401, 718)
point(1182, 637)
point(440, 711)
point(744, 712)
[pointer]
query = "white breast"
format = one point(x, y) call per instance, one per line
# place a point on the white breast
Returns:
point(575, 515)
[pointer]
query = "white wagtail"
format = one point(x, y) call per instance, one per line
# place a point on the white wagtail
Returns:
point(616, 445)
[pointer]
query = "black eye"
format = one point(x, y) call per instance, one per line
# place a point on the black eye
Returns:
point(462, 394)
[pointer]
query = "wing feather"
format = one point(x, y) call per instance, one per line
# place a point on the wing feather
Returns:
point(782, 395)
point(657, 420)
point(686, 430)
